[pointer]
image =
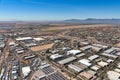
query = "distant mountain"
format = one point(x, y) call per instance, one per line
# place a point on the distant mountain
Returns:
point(69, 21)
point(91, 20)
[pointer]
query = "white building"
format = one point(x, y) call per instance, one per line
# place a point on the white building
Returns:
point(112, 75)
point(85, 62)
point(55, 56)
point(24, 38)
point(99, 45)
point(102, 63)
point(38, 39)
point(95, 67)
point(73, 52)
point(93, 57)
point(26, 70)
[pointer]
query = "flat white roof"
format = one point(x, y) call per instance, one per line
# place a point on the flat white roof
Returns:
point(118, 65)
point(44, 66)
point(38, 39)
point(74, 52)
point(93, 57)
point(23, 38)
point(86, 47)
point(99, 45)
point(109, 55)
point(67, 60)
point(96, 48)
point(102, 63)
point(117, 70)
point(85, 43)
point(95, 68)
point(26, 70)
point(112, 75)
point(109, 50)
point(55, 56)
point(80, 55)
point(110, 60)
point(91, 72)
point(12, 43)
point(85, 62)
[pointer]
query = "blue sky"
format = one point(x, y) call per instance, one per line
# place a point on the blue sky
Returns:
point(58, 9)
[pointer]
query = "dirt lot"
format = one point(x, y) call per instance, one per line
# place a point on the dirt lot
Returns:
point(73, 27)
point(39, 48)
point(117, 45)
point(3, 31)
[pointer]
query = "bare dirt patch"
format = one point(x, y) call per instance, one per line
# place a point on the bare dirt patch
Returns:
point(73, 27)
point(39, 48)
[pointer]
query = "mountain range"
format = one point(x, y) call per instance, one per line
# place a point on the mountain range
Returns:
point(94, 21)
point(79, 21)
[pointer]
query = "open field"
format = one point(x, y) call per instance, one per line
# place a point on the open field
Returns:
point(73, 27)
point(1, 30)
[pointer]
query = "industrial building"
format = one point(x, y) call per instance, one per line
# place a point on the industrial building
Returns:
point(85, 62)
point(56, 57)
point(75, 68)
point(26, 71)
point(67, 60)
point(73, 52)
point(93, 57)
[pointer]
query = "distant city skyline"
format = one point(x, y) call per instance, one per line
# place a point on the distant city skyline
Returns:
point(42, 10)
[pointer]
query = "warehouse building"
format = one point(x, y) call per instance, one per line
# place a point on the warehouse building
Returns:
point(93, 57)
point(102, 63)
point(112, 75)
point(67, 60)
point(2, 44)
point(99, 45)
point(95, 67)
point(85, 62)
point(75, 68)
point(89, 47)
point(56, 57)
point(73, 52)
point(39, 75)
point(26, 71)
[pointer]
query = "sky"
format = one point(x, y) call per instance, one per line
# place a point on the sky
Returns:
point(42, 10)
